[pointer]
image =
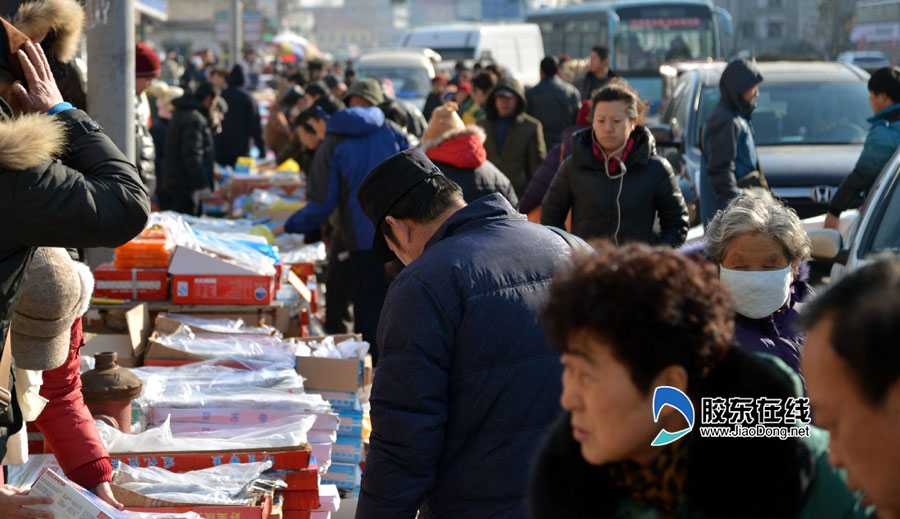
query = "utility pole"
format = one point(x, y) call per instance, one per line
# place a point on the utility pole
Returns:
point(237, 31)
point(110, 55)
point(110, 71)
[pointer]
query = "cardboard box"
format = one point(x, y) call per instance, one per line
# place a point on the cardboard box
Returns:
point(347, 450)
point(344, 476)
point(199, 278)
point(340, 400)
point(136, 284)
point(306, 479)
point(136, 502)
point(125, 334)
point(283, 458)
point(69, 499)
point(300, 500)
point(346, 375)
point(306, 514)
point(226, 290)
point(351, 424)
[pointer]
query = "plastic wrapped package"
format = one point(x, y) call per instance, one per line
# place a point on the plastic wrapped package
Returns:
point(235, 346)
point(160, 439)
point(236, 252)
point(248, 399)
point(229, 326)
point(151, 249)
point(218, 225)
point(227, 484)
point(194, 381)
point(294, 251)
point(326, 348)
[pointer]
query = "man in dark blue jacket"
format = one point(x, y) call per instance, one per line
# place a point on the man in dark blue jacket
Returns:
point(241, 122)
point(466, 385)
point(729, 148)
point(356, 140)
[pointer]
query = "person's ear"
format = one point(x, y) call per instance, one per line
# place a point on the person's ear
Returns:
point(401, 230)
point(672, 375)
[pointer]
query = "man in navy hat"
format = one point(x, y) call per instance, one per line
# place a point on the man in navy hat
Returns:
point(465, 385)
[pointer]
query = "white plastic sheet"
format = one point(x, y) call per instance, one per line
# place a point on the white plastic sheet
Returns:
point(194, 381)
point(326, 348)
point(237, 346)
point(161, 439)
point(230, 326)
point(293, 250)
point(226, 484)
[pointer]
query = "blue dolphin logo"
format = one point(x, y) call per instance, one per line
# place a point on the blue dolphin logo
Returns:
point(673, 397)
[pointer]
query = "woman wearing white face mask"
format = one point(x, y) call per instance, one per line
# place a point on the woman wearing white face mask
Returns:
point(614, 182)
point(760, 247)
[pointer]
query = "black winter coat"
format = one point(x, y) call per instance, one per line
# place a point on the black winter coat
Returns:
point(555, 104)
point(465, 385)
point(188, 162)
point(241, 122)
point(648, 189)
point(90, 196)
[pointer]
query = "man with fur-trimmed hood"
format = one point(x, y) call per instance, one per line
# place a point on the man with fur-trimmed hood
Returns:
point(63, 183)
point(458, 150)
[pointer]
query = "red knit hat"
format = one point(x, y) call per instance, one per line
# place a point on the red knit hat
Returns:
point(146, 62)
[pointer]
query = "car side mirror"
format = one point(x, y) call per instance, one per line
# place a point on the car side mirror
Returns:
point(827, 244)
point(663, 135)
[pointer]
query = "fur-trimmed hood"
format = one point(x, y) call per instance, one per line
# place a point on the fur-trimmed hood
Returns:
point(29, 140)
point(62, 21)
point(461, 148)
point(429, 144)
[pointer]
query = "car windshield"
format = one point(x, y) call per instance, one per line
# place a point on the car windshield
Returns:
point(887, 237)
point(408, 83)
point(803, 113)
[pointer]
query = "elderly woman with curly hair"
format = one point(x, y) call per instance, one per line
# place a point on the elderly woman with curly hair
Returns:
point(760, 247)
point(630, 320)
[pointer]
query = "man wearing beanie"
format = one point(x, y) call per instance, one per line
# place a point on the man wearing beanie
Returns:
point(466, 385)
point(146, 69)
point(63, 183)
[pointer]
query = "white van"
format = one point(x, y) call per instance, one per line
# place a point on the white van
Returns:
point(517, 47)
point(410, 71)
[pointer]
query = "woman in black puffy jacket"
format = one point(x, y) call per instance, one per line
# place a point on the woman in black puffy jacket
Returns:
point(615, 183)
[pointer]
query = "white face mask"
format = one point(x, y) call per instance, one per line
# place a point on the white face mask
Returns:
point(757, 293)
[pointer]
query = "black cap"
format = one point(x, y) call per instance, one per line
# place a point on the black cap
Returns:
point(386, 184)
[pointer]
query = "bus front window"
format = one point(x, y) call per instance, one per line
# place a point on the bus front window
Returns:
point(646, 40)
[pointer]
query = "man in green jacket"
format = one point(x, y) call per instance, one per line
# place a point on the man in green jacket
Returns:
point(515, 140)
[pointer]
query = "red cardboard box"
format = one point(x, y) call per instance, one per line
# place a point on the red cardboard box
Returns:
point(139, 503)
point(283, 458)
point(199, 278)
point(137, 284)
point(300, 500)
point(222, 290)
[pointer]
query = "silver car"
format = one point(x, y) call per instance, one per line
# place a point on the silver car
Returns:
point(875, 231)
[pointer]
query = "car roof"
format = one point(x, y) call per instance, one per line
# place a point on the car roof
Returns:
point(407, 58)
point(794, 71)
